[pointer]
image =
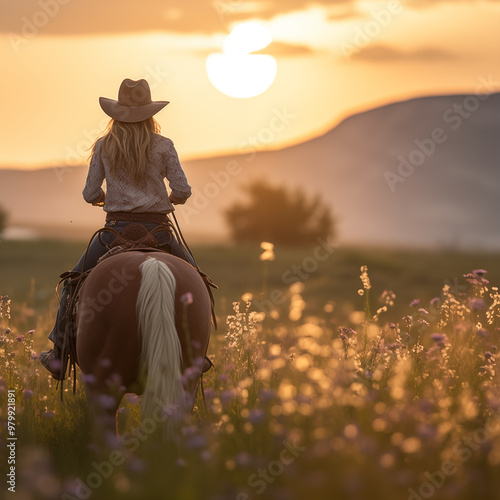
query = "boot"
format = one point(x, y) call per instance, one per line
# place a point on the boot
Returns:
point(51, 360)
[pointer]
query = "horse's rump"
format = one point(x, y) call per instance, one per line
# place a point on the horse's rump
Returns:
point(113, 304)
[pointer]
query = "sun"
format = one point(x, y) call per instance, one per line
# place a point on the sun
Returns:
point(238, 73)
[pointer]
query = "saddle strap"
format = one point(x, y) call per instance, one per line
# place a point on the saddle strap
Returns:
point(151, 217)
point(74, 281)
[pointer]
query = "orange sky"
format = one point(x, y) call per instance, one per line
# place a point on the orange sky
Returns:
point(333, 58)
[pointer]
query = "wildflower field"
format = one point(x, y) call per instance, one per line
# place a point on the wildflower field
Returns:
point(365, 374)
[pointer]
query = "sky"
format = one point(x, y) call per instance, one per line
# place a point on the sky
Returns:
point(333, 58)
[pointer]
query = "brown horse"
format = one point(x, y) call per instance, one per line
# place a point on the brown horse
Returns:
point(144, 320)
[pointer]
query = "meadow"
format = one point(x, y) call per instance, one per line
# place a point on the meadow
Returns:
point(357, 373)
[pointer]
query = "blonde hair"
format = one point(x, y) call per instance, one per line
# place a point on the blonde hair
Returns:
point(126, 146)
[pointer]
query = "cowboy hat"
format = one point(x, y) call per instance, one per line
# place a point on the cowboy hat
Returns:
point(134, 102)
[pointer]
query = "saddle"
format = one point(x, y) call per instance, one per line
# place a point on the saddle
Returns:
point(135, 235)
point(133, 238)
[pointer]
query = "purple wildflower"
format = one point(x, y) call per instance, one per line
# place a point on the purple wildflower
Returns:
point(189, 430)
point(432, 353)
point(243, 458)
point(227, 396)
point(415, 303)
point(267, 395)
point(476, 277)
point(192, 372)
point(88, 378)
point(347, 332)
point(196, 442)
point(136, 465)
point(426, 431)
point(173, 411)
point(106, 401)
point(187, 298)
point(71, 487)
point(256, 416)
point(209, 393)
point(55, 364)
point(438, 337)
point(476, 304)
point(112, 440)
point(28, 394)
point(425, 405)
point(482, 333)
point(105, 362)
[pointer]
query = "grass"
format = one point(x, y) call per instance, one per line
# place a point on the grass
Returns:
point(29, 272)
point(314, 398)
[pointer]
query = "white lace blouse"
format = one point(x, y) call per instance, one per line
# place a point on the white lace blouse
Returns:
point(123, 195)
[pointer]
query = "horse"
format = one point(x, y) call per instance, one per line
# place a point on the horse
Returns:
point(143, 323)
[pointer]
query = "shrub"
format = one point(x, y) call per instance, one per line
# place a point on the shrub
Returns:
point(3, 219)
point(277, 214)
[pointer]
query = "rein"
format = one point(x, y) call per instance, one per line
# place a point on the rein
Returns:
point(187, 251)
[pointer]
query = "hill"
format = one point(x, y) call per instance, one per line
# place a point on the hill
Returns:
point(422, 172)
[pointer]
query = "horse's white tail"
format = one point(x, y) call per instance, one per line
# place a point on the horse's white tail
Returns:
point(161, 358)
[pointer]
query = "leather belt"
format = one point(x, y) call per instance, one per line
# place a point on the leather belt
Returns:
point(151, 217)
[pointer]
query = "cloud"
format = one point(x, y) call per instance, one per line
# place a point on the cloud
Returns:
point(424, 4)
point(276, 49)
point(285, 49)
point(381, 52)
point(80, 17)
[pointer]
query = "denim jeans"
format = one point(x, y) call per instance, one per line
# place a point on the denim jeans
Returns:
point(88, 260)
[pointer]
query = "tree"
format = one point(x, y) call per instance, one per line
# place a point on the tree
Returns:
point(3, 219)
point(276, 214)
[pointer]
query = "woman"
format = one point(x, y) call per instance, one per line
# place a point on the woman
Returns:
point(134, 159)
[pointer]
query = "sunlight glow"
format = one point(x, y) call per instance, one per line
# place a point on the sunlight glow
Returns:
point(238, 73)
point(246, 38)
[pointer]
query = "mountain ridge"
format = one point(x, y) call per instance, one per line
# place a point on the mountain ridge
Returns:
point(450, 199)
